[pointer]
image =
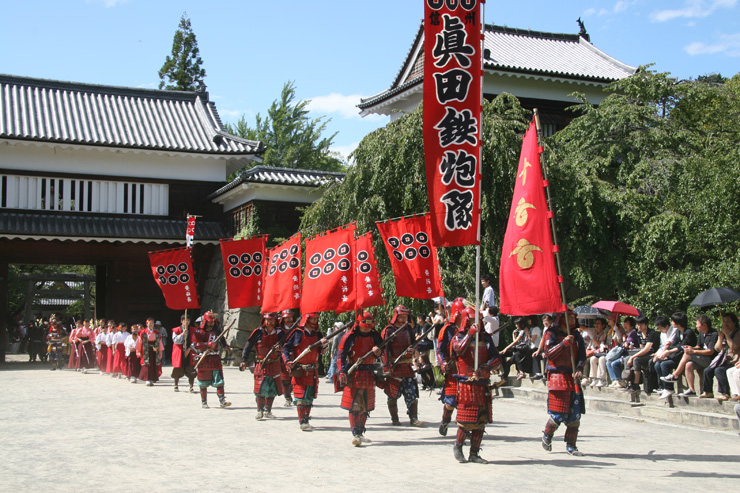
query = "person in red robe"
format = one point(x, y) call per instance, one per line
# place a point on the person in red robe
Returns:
point(182, 360)
point(86, 346)
point(74, 349)
point(119, 350)
point(150, 348)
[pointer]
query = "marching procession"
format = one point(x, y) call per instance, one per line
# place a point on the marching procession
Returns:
point(288, 353)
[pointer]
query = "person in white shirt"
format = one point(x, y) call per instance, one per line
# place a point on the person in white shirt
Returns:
point(491, 324)
point(535, 336)
point(489, 297)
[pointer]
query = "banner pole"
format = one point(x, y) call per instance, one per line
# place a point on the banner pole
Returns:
point(480, 179)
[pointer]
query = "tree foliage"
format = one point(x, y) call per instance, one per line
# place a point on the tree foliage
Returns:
point(648, 191)
point(645, 189)
point(182, 69)
point(292, 138)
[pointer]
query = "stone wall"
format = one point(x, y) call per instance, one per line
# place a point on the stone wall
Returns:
point(215, 298)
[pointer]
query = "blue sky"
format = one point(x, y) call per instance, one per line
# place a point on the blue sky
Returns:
point(335, 51)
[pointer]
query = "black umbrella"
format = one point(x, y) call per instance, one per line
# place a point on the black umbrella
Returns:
point(715, 297)
point(586, 311)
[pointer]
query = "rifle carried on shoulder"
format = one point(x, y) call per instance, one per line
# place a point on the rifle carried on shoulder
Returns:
point(317, 344)
point(382, 345)
point(209, 350)
point(412, 346)
point(281, 340)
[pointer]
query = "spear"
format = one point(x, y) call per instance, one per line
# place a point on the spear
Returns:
point(317, 344)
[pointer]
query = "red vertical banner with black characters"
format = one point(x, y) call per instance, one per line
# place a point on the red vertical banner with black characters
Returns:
point(413, 256)
point(451, 122)
point(368, 290)
point(282, 277)
point(173, 273)
point(329, 284)
point(244, 263)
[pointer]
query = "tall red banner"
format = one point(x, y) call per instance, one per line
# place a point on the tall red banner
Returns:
point(452, 110)
point(190, 232)
point(244, 263)
point(367, 281)
point(330, 275)
point(413, 256)
point(282, 280)
point(528, 280)
point(174, 274)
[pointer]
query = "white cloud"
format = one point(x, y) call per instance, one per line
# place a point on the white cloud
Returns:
point(589, 12)
point(620, 6)
point(728, 44)
point(692, 9)
point(230, 113)
point(108, 3)
point(346, 106)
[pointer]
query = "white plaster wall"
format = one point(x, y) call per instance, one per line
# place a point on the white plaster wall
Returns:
point(51, 159)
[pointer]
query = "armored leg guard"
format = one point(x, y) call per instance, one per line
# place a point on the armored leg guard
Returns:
point(204, 396)
point(459, 442)
point(268, 403)
point(222, 396)
point(550, 429)
point(571, 436)
point(393, 409)
point(446, 418)
point(476, 437)
point(414, 414)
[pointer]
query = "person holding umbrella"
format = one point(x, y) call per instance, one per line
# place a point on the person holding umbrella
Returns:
point(729, 335)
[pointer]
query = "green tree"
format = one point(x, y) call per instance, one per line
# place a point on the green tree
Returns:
point(388, 180)
point(293, 139)
point(182, 69)
point(647, 191)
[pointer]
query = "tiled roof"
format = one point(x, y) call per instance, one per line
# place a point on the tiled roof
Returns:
point(280, 176)
point(566, 56)
point(87, 114)
point(99, 228)
point(559, 55)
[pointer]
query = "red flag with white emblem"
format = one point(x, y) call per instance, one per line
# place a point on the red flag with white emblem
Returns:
point(528, 280)
point(329, 284)
point(244, 262)
point(174, 274)
point(369, 292)
point(282, 279)
point(413, 256)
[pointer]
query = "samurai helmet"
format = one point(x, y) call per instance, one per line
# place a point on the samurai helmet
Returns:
point(400, 310)
point(208, 316)
point(467, 317)
point(458, 305)
point(305, 320)
point(268, 316)
point(285, 314)
point(366, 320)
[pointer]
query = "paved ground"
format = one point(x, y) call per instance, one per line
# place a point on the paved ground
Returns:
point(65, 431)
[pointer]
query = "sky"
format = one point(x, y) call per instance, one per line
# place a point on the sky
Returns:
point(334, 51)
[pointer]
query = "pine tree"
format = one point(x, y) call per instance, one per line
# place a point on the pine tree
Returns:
point(182, 69)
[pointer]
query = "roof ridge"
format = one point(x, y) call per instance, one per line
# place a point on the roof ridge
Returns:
point(98, 88)
point(532, 34)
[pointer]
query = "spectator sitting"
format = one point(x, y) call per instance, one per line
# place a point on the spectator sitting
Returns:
point(729, 336)
point(668, 338)
point(535, 337)
point(699, 356)
point(615, 366)
point(638, 362)
point(616, 331)
point(672, 352)
point(519, 351)
point(586, 335)
point(733, 374)
point(596, 352)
